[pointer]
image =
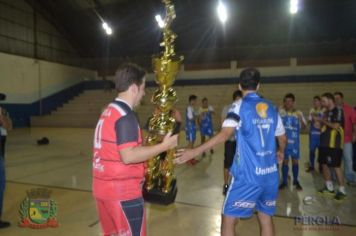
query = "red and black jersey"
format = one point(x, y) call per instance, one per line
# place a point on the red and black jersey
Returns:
point(116, 129)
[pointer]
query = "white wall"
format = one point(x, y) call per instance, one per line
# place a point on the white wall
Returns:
point(25, 80)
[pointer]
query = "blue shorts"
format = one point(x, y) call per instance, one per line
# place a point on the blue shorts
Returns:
point(292, 152)
point(242, 198)
point(314, 141)
point(190, 134)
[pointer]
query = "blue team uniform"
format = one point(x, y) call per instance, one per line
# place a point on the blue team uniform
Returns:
point(314, 138)
point(254, 170)
point(206, 122)
point(190, 127)
point(292, 126)
point(314, 132)
point(314, 135)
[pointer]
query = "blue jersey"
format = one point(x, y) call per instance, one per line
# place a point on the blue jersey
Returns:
point(190, 118)
point(315, 126)
point(314, 131)
point(190, 128)
point(206, 121)
point(257, 123)
point(292, 125)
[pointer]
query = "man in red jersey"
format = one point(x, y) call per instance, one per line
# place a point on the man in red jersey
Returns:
point(118, 160)
point(349, 133)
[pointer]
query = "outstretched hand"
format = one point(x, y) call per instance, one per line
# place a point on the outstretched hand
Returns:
point(184, 155)
point(170, 141)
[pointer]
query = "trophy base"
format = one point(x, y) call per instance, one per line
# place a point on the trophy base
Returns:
point(156, 196)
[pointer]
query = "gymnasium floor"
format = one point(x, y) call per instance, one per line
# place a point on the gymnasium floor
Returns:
point(64, 166)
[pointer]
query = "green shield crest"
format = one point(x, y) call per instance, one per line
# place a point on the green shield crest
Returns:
point(39, 210)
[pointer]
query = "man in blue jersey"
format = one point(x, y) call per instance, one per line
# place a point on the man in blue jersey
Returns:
point(293, 121)
point(190, 124)
point(255, 123)
point(230, 144)
point(205, 120)
point(315, 113)
point(6, 124)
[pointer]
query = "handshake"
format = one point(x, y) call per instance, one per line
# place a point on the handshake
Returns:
point(182, 155)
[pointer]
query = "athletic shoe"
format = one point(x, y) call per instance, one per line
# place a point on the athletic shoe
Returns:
point(4, 224)
point(340, 196)
point(225, 188)
point(310, 169)
point(326, 191)
point(297, 186)
point(282, 186)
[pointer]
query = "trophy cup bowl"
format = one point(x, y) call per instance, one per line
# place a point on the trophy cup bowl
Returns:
point(166, 70)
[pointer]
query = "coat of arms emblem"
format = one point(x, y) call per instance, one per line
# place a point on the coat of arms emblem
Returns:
point(38, 211)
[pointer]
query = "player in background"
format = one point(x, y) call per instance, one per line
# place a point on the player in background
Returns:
point(331, 145)
point(190, 124)
point(205, 121)
point(293, 121)
point(314, 132)
point(230, 144)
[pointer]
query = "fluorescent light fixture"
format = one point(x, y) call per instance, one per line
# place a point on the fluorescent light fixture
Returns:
point(294, 6)
point(222, 12)
point(108, 31)
point(160, 21)
point(107, 28)
point(105, 25)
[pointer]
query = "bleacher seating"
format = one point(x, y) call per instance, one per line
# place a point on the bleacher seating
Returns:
point(84, 110)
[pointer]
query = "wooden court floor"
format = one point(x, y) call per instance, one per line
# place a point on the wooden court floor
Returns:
point(64, 167)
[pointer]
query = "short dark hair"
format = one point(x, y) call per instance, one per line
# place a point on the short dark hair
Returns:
point(289, 95)
point(127, 75)
point(236, 94)
point(316, 97)
point(192, 97)
point(340, 94)
point(249, 79)
point(204, 100)
point(329, 96)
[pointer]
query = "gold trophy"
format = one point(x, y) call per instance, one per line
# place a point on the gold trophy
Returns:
point(160, 185)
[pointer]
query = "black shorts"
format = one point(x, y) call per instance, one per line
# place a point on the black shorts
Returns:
point(230, 148)
point(330, 156)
